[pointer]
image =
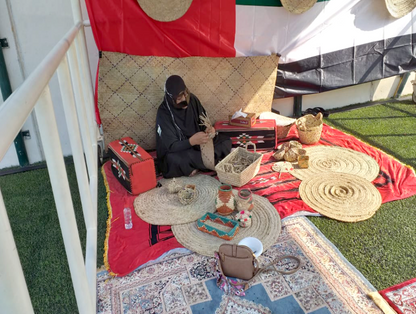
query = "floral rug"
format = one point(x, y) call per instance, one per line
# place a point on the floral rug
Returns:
point(402, 297)
point(184, 282)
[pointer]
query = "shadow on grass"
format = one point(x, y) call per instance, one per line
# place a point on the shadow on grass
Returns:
point(367, 139)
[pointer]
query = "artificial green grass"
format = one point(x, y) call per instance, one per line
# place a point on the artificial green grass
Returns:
point(382, 248)
point(32, 213)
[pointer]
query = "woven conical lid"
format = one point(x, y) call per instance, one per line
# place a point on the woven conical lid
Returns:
point(298, 6)
point(323, 159)
point(341, 196)
point(159, 207)
point(165, 10)
point(399, 8)
point(265, 226)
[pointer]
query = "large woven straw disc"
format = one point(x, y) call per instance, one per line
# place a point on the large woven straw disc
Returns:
point(399, 8)
point(165, 10)
point(265, 226)
point(341, 196)
point(298, 6)
point(324, 159)
point(159, 207)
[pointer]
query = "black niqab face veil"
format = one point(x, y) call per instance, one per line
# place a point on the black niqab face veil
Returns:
point(175, 88)
point(182, 117)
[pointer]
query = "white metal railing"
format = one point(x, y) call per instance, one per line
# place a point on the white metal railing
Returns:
point(69, 60)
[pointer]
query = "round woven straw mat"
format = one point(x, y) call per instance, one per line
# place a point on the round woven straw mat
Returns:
point(399, 8)
point(324, 159)
point(265, 226)
point(298, 6)
point(159, 207)
point(341, 196)
point(165, 10)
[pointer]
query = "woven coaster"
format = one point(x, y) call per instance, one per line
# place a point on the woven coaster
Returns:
point(159, 207)
point(298, 6)
point(341, 196)
point(399, 8)
point(265, 226)
point(323, 159)
point(165, 10)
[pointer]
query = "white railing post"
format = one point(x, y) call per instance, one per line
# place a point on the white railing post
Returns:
point(82, 177)
point(25, 97)
point(88, 96)
point(56, 168)
point(14, 296)
point(87, 91)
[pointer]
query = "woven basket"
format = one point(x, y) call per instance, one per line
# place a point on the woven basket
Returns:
point(283, 130)
point(309, 128)
point(239, 179)
point(283, 124)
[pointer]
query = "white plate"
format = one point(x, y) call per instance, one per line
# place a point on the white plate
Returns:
point(254, 244)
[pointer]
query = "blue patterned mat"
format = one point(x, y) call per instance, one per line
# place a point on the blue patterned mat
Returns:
point(182, 283)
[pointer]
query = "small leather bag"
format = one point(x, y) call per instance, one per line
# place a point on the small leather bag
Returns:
point(240, 262)
point(237, 261)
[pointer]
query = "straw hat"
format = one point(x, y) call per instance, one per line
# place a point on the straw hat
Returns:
point(265, 226)
point(298, 6)
point(341, 196)
point(399, 8)
point(165, 10)
point(330, 159)
point(159, 207)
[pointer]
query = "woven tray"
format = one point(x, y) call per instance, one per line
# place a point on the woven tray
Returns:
point(239, 179)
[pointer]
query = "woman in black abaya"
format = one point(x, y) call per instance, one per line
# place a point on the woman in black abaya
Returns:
point(179, 133)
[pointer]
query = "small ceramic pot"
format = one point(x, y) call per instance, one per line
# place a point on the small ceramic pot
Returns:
point(244, 200)
point(225, 202)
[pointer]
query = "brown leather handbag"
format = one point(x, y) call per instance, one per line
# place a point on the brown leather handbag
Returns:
point(240, 262)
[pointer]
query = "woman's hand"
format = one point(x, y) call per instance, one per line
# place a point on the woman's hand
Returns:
point(210, 131)
point(199, 138)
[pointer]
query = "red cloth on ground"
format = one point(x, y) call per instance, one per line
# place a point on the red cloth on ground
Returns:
point(401, 297)
point(128, 249)
point(125, 250)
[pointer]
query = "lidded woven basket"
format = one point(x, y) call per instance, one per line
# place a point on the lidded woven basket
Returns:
point(309, 128)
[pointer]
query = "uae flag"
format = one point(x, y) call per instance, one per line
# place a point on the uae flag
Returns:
point(334, 44)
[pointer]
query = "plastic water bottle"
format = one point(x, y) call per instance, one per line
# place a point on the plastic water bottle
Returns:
point(128, 223)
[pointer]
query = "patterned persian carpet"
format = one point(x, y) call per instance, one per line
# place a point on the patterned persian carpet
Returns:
point(183, 282)
point(402, 297)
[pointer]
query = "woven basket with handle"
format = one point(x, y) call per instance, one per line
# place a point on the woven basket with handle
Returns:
point(309, 128)
point(225, 171)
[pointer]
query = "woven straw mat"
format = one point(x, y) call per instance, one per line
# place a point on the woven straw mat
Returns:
point(324, 159)
point(130, 89)
point(265, 226)
point(341, 196)
point(399, 8)
point(165, 10)
point(298, 6)
point(159, 207)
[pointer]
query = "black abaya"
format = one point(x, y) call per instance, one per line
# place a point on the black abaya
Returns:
point(176, 156)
